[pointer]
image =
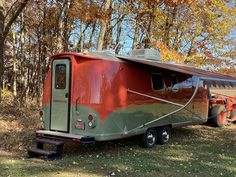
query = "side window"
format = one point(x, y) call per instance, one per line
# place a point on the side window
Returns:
point(157, 82)
point(174, 80)
point(60, 76)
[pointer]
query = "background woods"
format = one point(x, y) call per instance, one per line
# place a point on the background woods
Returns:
point(198, 33)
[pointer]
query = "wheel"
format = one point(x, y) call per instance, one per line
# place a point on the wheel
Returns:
point(148, 140)
point(163, 135)
point(218, 113)
point(232, 115)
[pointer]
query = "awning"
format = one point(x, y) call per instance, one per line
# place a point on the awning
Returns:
point(214, 80)
point(179, 68)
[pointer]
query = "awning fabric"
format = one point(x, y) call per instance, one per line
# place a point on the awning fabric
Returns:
point(212, 79)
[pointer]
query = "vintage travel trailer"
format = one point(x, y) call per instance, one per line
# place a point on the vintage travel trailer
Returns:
point(97, 96)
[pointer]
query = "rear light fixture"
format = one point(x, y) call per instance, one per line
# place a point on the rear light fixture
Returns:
point(91, 121)
point(90, 117)
point(40, 113)
point(39, 134)
point(76, 139)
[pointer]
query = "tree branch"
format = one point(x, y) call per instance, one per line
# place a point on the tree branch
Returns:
point(8, 12)
point(14, 16)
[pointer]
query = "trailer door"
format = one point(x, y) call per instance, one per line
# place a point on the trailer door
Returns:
point(60, 106)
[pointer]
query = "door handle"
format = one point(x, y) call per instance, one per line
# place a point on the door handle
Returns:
point(66, 95)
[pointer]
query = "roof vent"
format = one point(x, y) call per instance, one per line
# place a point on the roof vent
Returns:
point(150, 54)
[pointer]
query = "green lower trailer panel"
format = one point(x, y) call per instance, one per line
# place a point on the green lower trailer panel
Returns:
point(121, 123)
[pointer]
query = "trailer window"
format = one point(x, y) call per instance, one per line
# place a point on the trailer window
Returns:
point(174, 81)
point(60, 76)
point(157, 82)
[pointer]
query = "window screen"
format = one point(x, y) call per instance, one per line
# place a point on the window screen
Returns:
point(157, 82)
point(60, 76)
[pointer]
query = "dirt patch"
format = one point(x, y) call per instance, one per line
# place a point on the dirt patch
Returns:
point(17, 126)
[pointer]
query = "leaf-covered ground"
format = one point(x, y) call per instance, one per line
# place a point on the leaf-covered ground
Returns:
point(193, 151)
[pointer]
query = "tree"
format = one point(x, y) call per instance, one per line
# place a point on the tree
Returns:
point(104, 24)
point(185, 31)
point(6, 22)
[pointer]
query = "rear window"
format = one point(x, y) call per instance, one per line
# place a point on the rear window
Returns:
point(157, 82)
point(60, 76)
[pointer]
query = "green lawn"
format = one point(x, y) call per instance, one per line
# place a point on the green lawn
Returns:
point(193, 151)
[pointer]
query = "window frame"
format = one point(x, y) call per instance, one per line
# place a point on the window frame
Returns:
point(163, 80)
point(177, 80)
point(56, 76)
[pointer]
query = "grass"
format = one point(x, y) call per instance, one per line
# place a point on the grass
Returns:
point(193, 151)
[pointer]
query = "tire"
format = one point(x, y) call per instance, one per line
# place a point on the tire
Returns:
point(218, 113)
point(233, 114)
point(163, 135)
point(148, 140)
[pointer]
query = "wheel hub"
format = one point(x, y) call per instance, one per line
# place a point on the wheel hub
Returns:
point(165, 136)
point(151, 138)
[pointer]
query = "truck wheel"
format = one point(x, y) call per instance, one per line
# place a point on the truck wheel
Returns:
point(163, 135)
point(233, 115)
point(219, 115)
point(148, 140)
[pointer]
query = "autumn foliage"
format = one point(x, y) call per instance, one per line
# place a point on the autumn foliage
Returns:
point(196, 33)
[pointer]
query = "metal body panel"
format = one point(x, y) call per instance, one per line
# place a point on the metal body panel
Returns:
point(123, 122)
point(100, 87)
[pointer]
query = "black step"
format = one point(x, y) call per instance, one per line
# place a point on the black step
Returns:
point(49, 141)
point(50, 155)
point(39, 152)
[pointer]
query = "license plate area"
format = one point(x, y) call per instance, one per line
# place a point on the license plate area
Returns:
point(80, 125)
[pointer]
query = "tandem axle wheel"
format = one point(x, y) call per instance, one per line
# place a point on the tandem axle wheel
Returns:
point(153, 136)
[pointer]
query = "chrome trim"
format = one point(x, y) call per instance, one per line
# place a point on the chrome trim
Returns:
point(173, 112)
point(59, 134)
point(155, 98)
point(217, 79)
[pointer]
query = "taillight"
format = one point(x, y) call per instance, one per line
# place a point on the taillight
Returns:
point(91, 121)
point(76, 139)
point(90, 117)
point(39, 134)
point(41, 113)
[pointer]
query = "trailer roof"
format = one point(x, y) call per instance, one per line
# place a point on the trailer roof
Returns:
point(206, 75)
point(180, 68)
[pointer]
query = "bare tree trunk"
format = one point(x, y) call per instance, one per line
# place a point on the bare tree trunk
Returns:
point(91, 35)
point(80, 44)
point(169, 23)
point(108, 37)
point(147, 42)
point(81, 40)
point(14, 65)
point(119, 28)
point(4, 30)
point(135, 38)
point(60, 30)
point(66, 27)
point(59, 36)
point(22, 58)
point(2, 41)
point(103, 28)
